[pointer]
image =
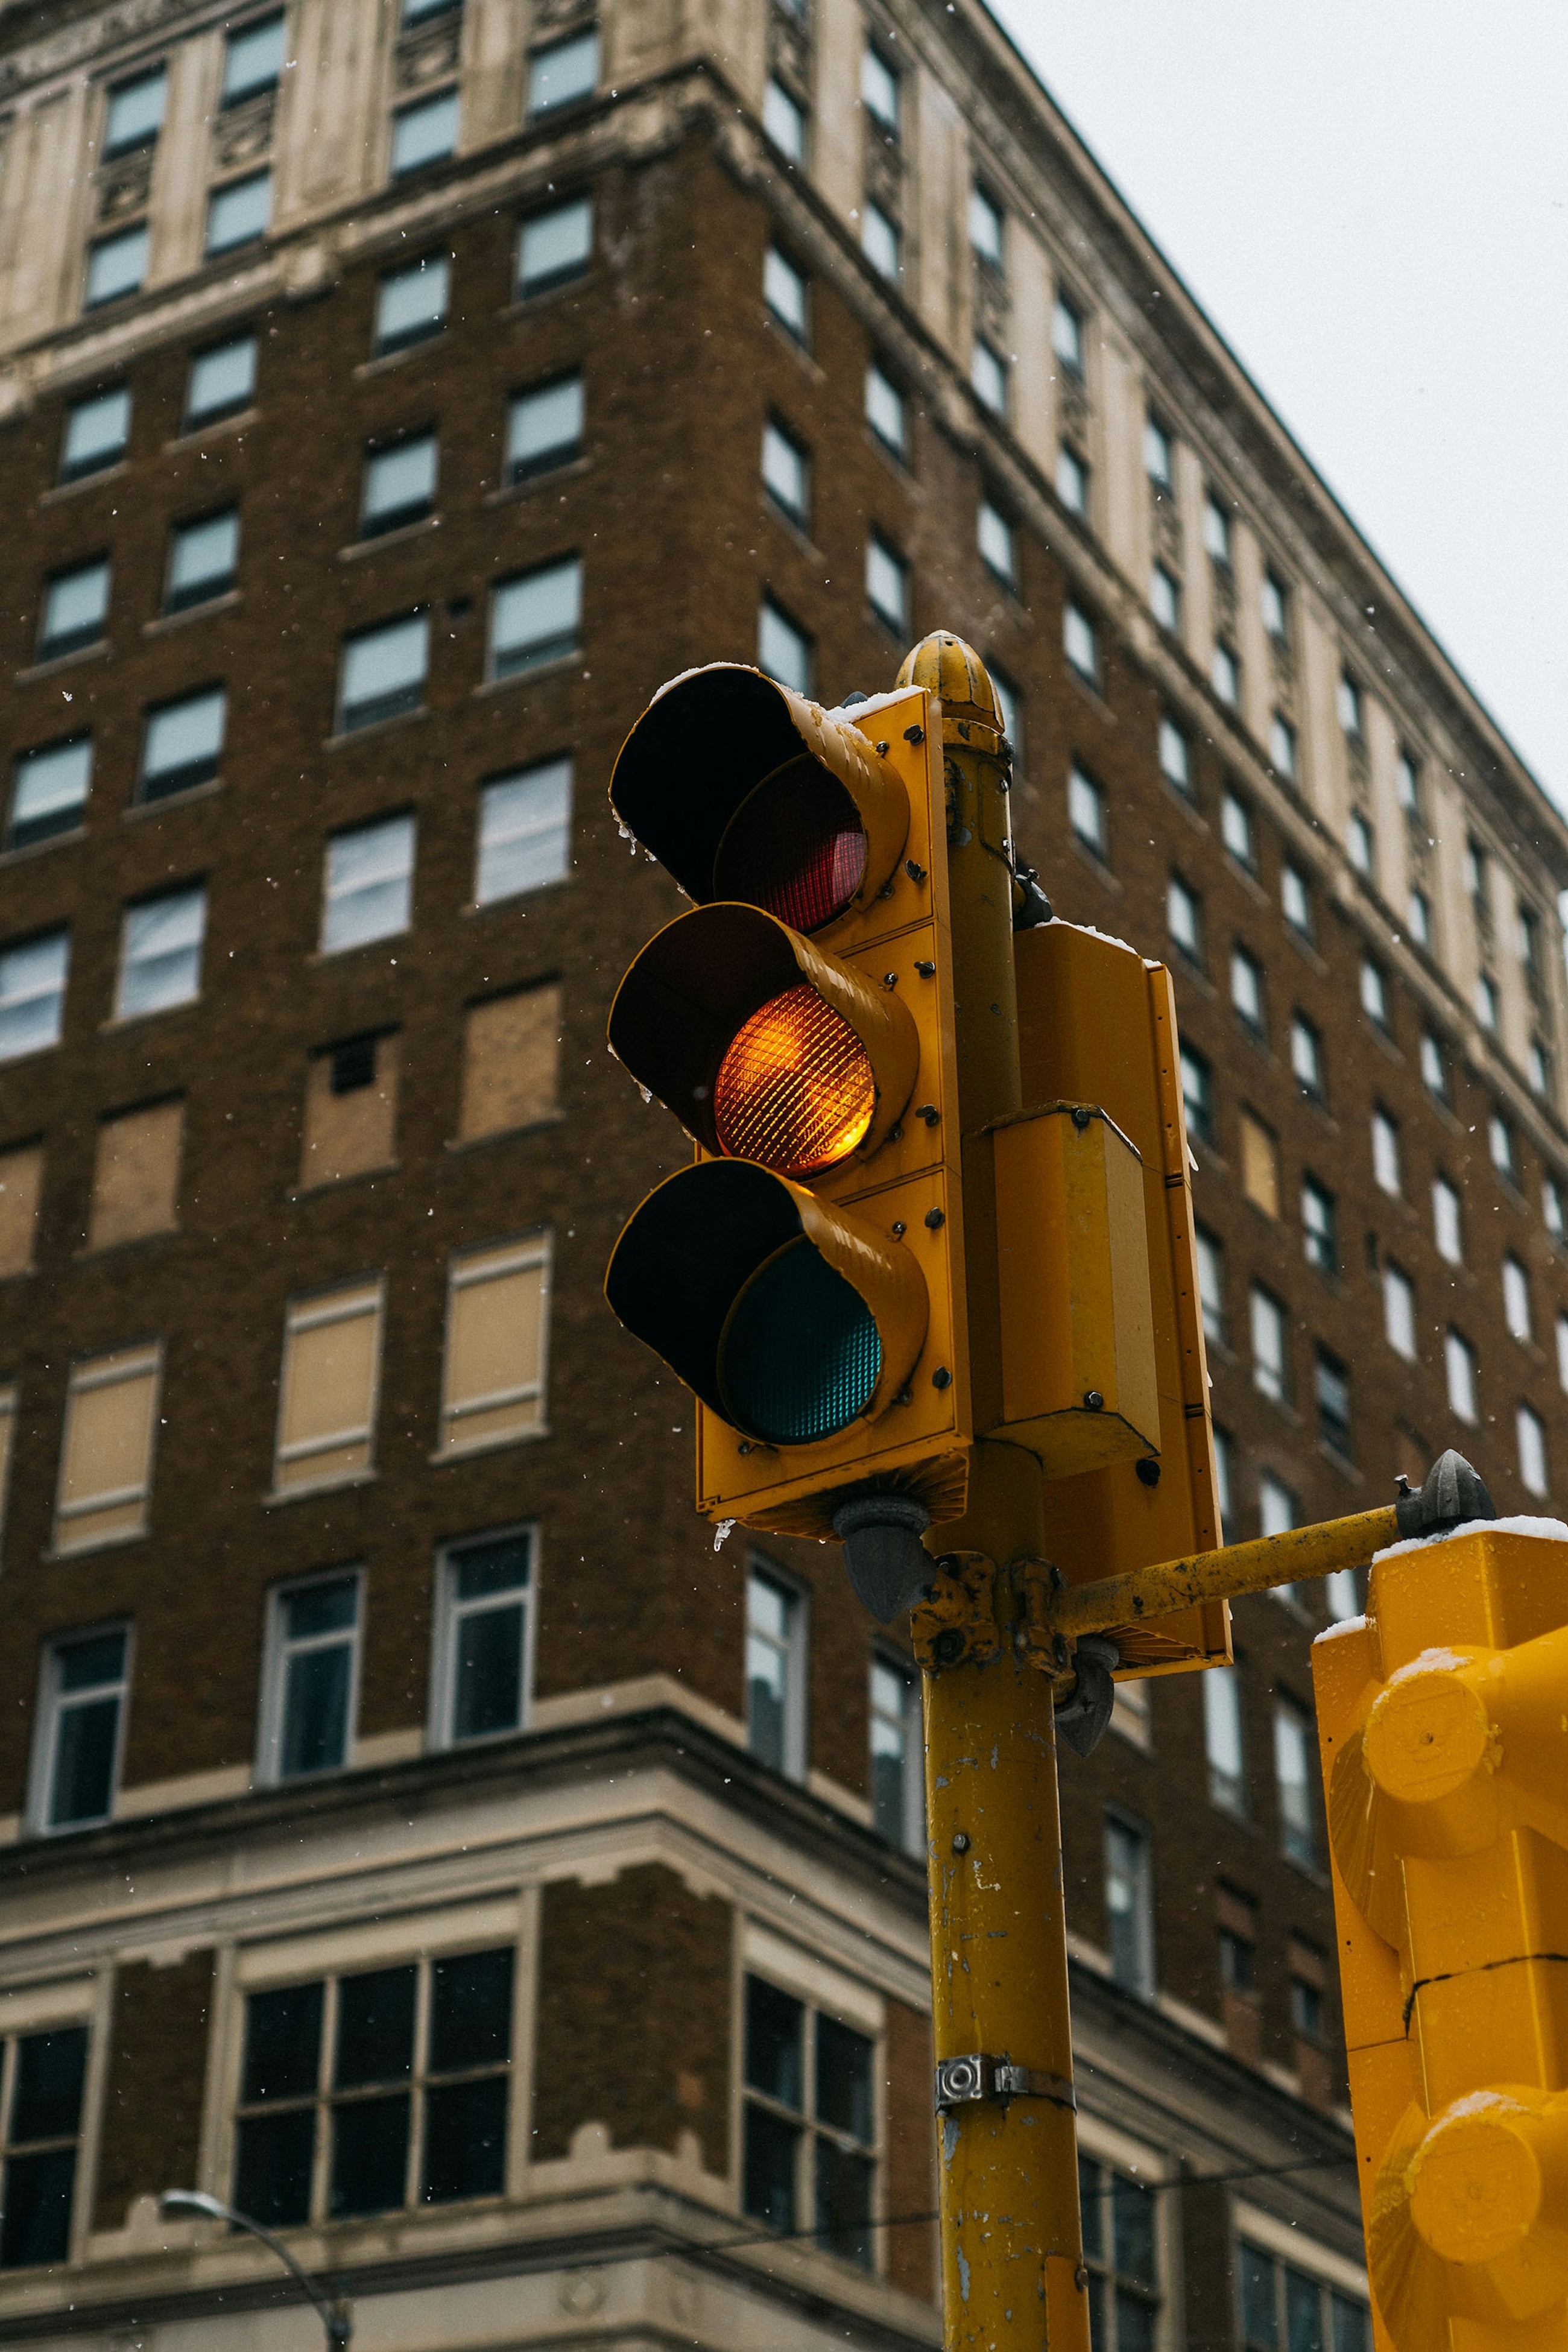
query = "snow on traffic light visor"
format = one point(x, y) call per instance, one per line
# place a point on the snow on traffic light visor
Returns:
point(790, 1318)
point(746, 790)
point(764, 1046)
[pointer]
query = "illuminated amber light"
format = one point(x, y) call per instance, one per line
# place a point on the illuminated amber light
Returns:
point(795, 1089)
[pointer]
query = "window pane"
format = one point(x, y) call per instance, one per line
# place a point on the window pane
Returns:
point(544, 428)
point(49, 792)
point(783, 290)
point(47, 2101)
point(524, 822)
point(1296, 1827)
point(568, 70)
point(767, 2189)
point(1351, 2334)
point(384, 672)
point(487, 1672)
point(1304, 2314)
point(556, 245)
point(881, 242)
point(425, 133)
point(1259, 2316)
point(182, 743)
point(253, 60)
point(1222, 1736)
point(202, 557)
point(76, 606)
point(399, 485)
point(885, 411)
point(844, 2202)
point(116, 266)
point(844, 2080)
point(470, 2010)
point(370, 2156)
point(411, 303)
point(375, 2028)
point(274, 2161)
point(782, 120)
point(321, 1609)
point(32, 993)
point(282, 2043)
point(86, 1739)
point(160, 955)
point(1134, 2322)
point(135, 114)
point(240, 214)
point(315, 1712)
point(96, 433)
point(783, 652)
point(774, 2030)
point(1132, 2230)
point(536, 619)
point(38, 2193)
point(767, 1695)
point(465, 2139)
point(222, 381)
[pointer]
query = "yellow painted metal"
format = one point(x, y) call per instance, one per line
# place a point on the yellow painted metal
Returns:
point(1078, 1350)
point(1013, 2277)
point(1123, 1603)
point(1443, 1723)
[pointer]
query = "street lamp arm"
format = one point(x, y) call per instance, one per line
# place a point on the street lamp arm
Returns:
point(333, 2314)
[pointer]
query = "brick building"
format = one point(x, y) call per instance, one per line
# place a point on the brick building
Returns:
point(412, 1828)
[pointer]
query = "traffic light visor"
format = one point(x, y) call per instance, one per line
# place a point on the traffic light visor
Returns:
point(764, 1046)
point(788, 1317)
point(746, 790)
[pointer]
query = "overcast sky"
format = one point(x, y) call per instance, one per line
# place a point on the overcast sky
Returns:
point(1370, 199)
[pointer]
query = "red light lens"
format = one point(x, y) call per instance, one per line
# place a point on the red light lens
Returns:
point(795, 846)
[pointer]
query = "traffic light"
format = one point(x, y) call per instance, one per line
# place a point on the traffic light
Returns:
point(805, 1276)
point(1443, 1724)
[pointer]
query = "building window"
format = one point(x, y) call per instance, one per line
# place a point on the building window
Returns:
point(986, 228)
point(1165, 599)
point(1434, 1067)
point(1224, 674)
point(135, 114)
point(240, 214)
point(253, 60)
point(1246, 990)
point(368, 884)
point(1270, 1369)
point(21, 1187)
point(1072, 482)
point(785, 292)
point(1067, 334)
point(887, 585)
point(1259, 1164)
point(79, 1732)
point(1210, 1257)
point(555, 246)
point(1419, 917)
point(898, 1788)
point(424, 133)
point(1540, 1067)
point(1086, 810)
point(524, 830)
point(783, 119)
point(1459, 1368)
point(1296, 901)
point(1351, 712)
point(399, 2077)
point(1275, 599)
point(1407, 782)
point(1081, 643)
point(1307, 1056)
point(1552, 1213)
point(1175, 758)
point(1363, 845)
point(496, 1357)
point(411, 303)
point(879, 89)
point(1197, 1094)
point(33, 993)
point(1183, 918)
point(1487, 1010)
point(885, 413)
point(1333, 1387)
point(784, 652)
point(106, 1448)
point(484, 1602)
point(881, 242)
point(1223, 1742)
point(1292, 1773)
point(49, 792)
point(1374, 993)
point(1530, 1432)
point(1501, 1146)
point(1399, 1312)
point(536, 619)
point(1447, 1225)
point(995, 539)
point(1282, 2305)
point(43, 2126)
point(1011, 712)
point(116, 266)
point(1276, 1511)
point(1343, 1592)
point(1516, 1298)
point(161, 952)
point(1129, 1905)
point(563, 72)
point(312, 1679)
point(204, 557)
point(1385, 1165)
point(181, 744)
point(1237, 830)
point(222, 382)
point(329, 1386)
point(544, 428)
point(988, 374)
point(809, 2153)
point(511, 1062)
point(787, 472)
point(96, 432)
point(1319, 1226)
point(75, 609)
point(399, 485)
point(1120, 2255)
point(1216, 530)
point(775, 1673)
point(1224, 1486)
point(1159, 453)
point(1282, 746)
point(382, 672)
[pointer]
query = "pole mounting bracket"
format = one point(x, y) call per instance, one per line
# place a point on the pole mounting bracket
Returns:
point(961, 2080)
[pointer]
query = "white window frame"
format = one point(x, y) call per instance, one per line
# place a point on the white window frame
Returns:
point(311, 1311)
point(488, 1262)
point(1148, 1965)
point(796, 1652)
point(561, 768)
point(449, 1611)
point(49, 1709)
point(276, 1653)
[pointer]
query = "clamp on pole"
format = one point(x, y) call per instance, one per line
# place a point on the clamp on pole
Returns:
point(973, 2076)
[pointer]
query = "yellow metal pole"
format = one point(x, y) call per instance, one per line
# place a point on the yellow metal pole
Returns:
point(1294, 1558)
point(1013, 2274)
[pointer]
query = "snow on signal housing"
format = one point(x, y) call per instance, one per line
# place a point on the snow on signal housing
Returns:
point(746, 790)
point(764, 1046)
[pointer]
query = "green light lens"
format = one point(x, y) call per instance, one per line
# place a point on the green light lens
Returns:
point(800, 1354)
